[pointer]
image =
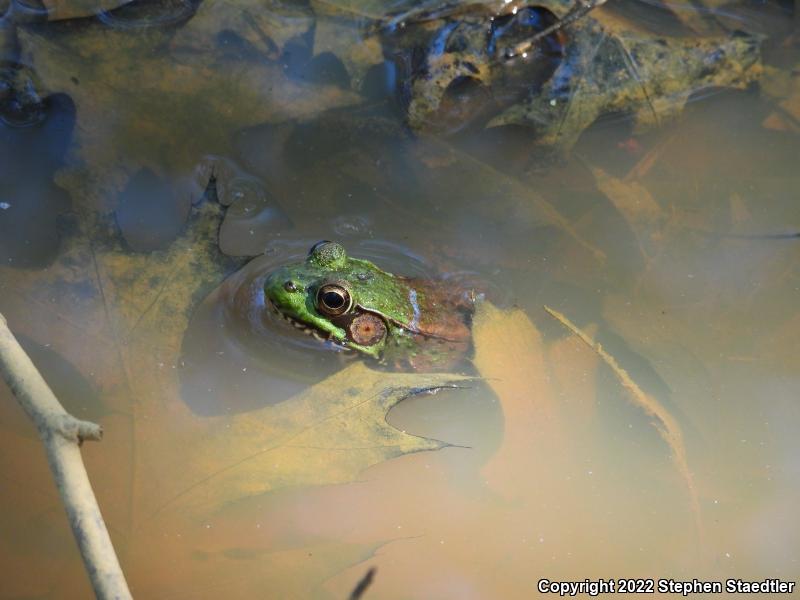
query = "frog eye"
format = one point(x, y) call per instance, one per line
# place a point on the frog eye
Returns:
point(334, 299)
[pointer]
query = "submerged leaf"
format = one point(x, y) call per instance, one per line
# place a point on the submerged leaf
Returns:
point(144, 104)
point(327, 434)
point(607, 70)
point(58, 10)
point(510, 354)
point(636, 205)
point(784, 87)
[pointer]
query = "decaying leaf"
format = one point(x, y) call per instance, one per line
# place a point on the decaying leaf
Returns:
point(784, 87)
point(142, 105)
point(168, 96)
point(59, 10)
point(630, 198)
point(573, 373)
point(637, 206)
point(328, 434)
point(264, 27)
point(509, 354)
point(458, 67)
point(610, 69)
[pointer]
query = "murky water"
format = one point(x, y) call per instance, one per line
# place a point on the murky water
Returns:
point(674, 246)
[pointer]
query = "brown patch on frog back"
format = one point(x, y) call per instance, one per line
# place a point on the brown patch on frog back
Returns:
point(444, 310)
point(441, 331)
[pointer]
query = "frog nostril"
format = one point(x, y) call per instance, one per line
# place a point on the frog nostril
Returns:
point(290, 286)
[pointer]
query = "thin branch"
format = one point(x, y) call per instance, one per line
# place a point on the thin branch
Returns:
point(580, 10)
point(62, 434)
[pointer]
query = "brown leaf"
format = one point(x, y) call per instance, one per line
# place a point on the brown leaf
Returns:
point(509, 355)
point(327, 434)
point(784, 86)
point(613, 67)
point(634, 201)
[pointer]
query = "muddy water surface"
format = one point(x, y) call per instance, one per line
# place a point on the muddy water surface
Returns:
point(675, 248)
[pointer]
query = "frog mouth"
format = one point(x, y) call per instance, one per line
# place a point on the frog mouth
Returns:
point(318, 334)
point(363, 328)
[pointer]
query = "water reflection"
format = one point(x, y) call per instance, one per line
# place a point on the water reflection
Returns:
point(142, 15)
point(33, 206)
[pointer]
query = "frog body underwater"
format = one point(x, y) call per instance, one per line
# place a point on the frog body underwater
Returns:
point(350, 302)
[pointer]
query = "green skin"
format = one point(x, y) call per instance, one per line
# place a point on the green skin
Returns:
point(423, 326)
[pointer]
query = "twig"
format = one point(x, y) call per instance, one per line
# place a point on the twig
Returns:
point(62, 435)
point(581, 9)
point(666, 425)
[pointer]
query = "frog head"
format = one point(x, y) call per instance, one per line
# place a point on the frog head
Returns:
point(356, 305)
point(346, 300)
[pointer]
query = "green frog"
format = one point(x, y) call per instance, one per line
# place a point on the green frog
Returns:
point(350, 302)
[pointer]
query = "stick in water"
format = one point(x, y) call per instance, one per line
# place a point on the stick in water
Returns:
point(62, 435)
